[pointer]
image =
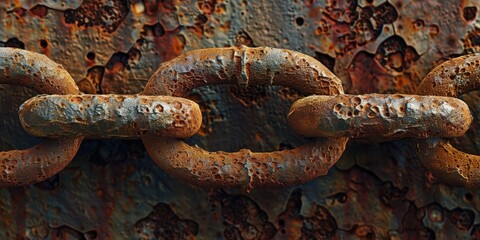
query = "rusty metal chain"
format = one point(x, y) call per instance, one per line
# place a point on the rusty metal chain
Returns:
point(161, 117)
point(36, 71)
point(72, 116)
point(452, 78)
point(244, 66)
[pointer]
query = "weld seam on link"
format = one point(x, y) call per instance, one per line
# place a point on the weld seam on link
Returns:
point(263, 66)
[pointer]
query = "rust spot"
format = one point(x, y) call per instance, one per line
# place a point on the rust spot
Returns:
point(97, 13)
point(242, 216)
point(469, 13)
point(39, 11)
point(162, 222)
point(91, 56)
point(14, 43)
point(307, 79)
point(159, 108)
point(177, 105)
point(326, 60)
point(243, 38)
point(152, 31)
point(77, 100)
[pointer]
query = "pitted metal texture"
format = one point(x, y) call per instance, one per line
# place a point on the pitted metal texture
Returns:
point(452, 78)
point(375, 191)
point(379, 116)
point(37, 72)
point(109, 116)
point(245, 169)
point(243, 66)
point(27, 68)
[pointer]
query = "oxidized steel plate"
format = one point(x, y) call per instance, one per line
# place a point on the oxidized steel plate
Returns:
point(113, 190)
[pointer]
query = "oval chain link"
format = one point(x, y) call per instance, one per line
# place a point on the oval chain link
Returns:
point(37, 72)
point(243, 65)
point(452, 78)
point(383, 116)
point(109, 116)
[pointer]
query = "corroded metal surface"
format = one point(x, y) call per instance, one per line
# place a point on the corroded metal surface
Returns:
point(247, 169)
point(379, 116)
point(110, 116)
point(243, 66)
point(37, 72)
point(452, 78)
point(244, 168)
point(112, 190)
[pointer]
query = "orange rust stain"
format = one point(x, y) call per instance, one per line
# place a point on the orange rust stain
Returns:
point(314, 12)
point(226, 26)
point(117, 67)
point(170, 45)
point(220, 9)
point(433, 30)
point(17, 3)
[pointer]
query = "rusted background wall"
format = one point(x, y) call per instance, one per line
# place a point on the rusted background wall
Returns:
point(113, 190)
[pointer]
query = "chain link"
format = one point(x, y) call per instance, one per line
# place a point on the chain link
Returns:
point(243, 65)
point(37, 72)
point(452, 78)
point(379, 116)
point(160, 116)
point(107, 116)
